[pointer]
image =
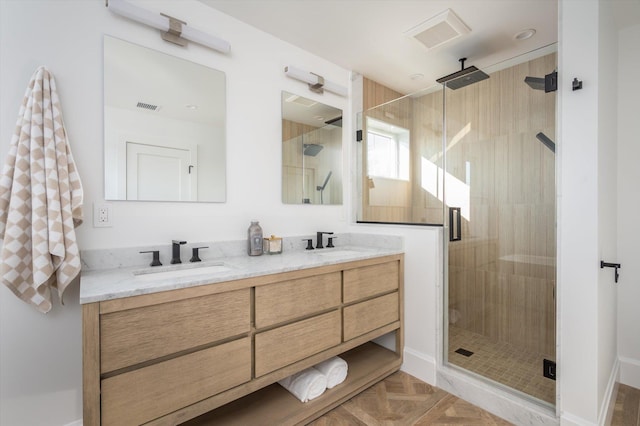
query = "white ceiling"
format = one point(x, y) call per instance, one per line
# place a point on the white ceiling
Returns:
point(133, 73)
point(367, 36)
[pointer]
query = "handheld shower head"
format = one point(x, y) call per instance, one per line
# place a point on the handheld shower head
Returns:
point(546, 141)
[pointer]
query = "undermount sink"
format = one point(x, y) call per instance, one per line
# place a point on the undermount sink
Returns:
point(336, 253)
point(180, 271)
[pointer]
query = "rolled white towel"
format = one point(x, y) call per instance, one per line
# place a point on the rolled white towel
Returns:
point(335, 369)
point(305, 385)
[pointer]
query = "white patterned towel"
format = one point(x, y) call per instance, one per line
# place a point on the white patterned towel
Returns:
point(40, 200)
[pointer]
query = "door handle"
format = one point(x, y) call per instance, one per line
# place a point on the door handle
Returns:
point(455, 224)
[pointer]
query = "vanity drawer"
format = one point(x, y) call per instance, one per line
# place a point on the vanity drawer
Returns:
point(137, 335)
point(366, 316)
point(367, 281)
point(285, 345)
point(292, 299)
point(142, 395)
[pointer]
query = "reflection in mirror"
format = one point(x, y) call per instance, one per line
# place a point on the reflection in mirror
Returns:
point(164, 126)
point(311, 151)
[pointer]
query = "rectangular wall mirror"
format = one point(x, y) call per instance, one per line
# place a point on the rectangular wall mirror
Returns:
point(311, 151)
point(164, 126)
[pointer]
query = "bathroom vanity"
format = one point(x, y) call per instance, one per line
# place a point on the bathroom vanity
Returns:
point(209, 349)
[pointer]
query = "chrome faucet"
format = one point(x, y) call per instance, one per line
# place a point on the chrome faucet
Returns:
point(175, 256)
point(319, 239)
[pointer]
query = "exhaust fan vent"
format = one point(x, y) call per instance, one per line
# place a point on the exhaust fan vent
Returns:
point(301, 101)
point(148, 107)
point(440, 29)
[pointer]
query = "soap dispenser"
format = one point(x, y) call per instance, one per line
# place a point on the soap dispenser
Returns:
point(254, 239)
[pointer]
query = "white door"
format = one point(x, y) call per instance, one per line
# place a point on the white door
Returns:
point(160, 173)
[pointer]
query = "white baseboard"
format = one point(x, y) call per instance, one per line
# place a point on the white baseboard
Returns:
point(568, 419)
point(419, 365)
point(630, 372)
point(610, 393)
point(606, 408)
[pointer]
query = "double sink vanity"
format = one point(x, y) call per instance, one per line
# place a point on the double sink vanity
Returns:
point(206, 343)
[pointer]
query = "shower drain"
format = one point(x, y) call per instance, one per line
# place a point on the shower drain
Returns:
point(464, 352)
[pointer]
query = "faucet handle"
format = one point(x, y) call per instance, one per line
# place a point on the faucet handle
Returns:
point(309, 243)
point(156, 257)
point(330, 243)
point(194, 254)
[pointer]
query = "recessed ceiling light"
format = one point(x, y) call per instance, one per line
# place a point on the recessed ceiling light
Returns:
point(416, 76)
point(191, 106)
point(524, 34)
point(318, 117)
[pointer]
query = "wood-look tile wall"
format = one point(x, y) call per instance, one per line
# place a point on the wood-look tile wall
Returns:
point(502, 273)
point(294, 186)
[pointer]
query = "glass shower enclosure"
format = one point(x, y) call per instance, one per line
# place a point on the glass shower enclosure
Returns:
point(501, 245)
point(480, 160)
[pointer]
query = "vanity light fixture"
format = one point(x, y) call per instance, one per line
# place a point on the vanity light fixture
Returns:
point(317, 83)
point(173, 30)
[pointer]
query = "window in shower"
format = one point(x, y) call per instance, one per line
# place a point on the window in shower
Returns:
point(387, 150)
point(400, 160)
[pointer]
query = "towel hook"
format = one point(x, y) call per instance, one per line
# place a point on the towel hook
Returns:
point(617, 266)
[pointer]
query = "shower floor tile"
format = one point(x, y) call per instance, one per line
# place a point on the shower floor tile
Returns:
point(501, 362)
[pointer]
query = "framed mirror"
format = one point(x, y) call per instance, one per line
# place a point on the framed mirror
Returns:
point(311, 151)
point(164, 126)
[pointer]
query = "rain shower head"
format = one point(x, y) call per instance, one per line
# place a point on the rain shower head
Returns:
point(312, 149)
point(464, 77)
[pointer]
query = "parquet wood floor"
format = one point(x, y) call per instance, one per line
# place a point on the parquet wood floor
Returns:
point(627, 410)
point(403, 400)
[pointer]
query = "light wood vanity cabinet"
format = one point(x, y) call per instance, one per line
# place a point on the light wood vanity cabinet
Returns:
point(212, 354)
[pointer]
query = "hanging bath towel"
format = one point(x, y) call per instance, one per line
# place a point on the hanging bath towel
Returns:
point(40, 200)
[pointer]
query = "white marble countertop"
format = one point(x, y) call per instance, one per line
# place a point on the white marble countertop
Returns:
point(107, 284)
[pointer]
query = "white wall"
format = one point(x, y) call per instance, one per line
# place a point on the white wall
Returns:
point(628, 206)
point(205, 140)
point(40, 355)
point(607, 368)
point(586, 212)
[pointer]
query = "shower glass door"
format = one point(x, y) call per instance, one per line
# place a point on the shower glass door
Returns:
point(501, 242)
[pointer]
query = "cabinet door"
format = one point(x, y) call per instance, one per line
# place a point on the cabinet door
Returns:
point(142, 334)
point(287, 300)
point(366, 316)
point(367, 281)
point(142, 395)
point(285, 345)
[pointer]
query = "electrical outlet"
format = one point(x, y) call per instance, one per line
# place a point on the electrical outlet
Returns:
point(102, 215)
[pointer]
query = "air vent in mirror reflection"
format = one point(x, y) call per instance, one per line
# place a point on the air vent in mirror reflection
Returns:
point(148, 107)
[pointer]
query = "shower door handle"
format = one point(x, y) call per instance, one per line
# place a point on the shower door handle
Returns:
point(455, 224)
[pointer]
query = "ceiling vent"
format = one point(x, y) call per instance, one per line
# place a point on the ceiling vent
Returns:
point(440, 29)
point(148, 107)
point(301, 101)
